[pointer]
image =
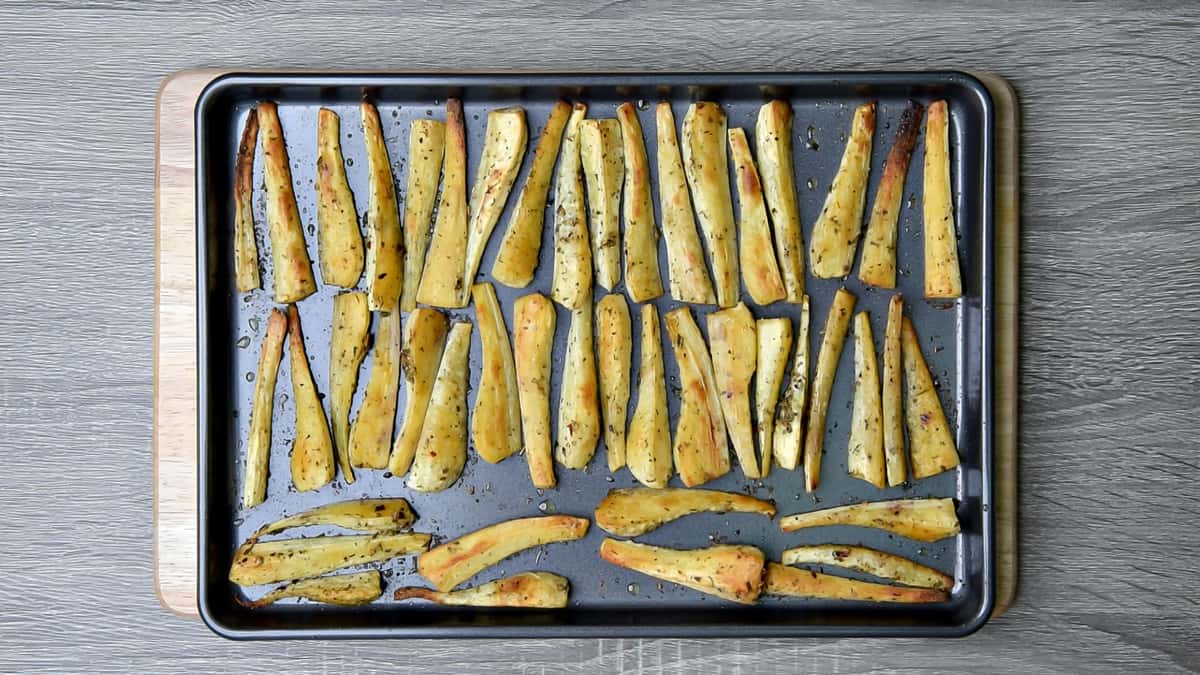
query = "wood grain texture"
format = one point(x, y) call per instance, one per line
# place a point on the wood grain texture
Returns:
point(1110, 310)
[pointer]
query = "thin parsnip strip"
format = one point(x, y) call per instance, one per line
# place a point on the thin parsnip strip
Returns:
point(572, 275)
point(363, 515)
point(864, 451)
point(426, 148)
point(648, 447)
point(442, 282)
point(347, 349)
point(267, 562)
point(442, 449)
point(892, 396)
point(774, 343)
point(730, 572)
point(773, 142)
point(339, 241)
point(919, 519)
point(836, 232)
point(245, 247)
point(258, 446)
point(929, 438)
point(756, 253)
point(614, 354)
point(630, 512)
point(800, 583)
point(789, 422)
point(289, 253)
point(454, 562)
point(601, 156)
point(686, 269)
point(704, 162)
point(822, 386)
point(496, 418)
point(878, 265)
point(533, 346)
point(642, 278)
point(312, 461)
point(541, 590)
point(504, 143)
point(424, 341)
point(733, 339)
point(385, 239)
point(371, 433)
point(943, 279)
point(359, 588)
point(578, 404)
point(870, 561)
point(701, 450)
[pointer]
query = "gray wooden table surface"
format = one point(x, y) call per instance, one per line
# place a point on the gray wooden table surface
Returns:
point(1111, 310)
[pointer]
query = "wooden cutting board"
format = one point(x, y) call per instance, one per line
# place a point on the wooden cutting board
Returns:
point(175, 340)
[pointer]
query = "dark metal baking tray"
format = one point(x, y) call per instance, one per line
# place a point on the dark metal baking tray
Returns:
point(606, 601)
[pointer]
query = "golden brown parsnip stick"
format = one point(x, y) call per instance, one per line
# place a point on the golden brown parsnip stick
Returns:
point(289, 253)
point(822, 387)
point(245, 248)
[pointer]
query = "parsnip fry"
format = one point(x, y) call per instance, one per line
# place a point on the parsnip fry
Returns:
point(426, 148)
point(615, 355)
point(943, 279)
point(267, 562)
point(347, 348)
point(704, 162)
point(578, 407)
point(799, 583)
point(929, 437)
point(893, 411)
point(364, 515)
point(533, 344)
point(572, 280)
point(339, 241)
point(773, 142)
point(245, 247)
point(258, 446)
point(312, 450)
point(789, 422)
point(289, 253)
point(822, 387)
point(919, 519)
point(496, 418)
point(371, 434)
point(864, 452)
point(642, 278)
point(756, 254)
point(701, 451)
point(541, 590)
point(600, 154)
point(730, 572)
point(648, 448)
point(734, 343)
point(424, 341)
point(870, 561)
point(359, 588)
point(878, 265)
point(686, 268)
point(836, 232)
point(442, 282)
point(385, 239)
point(503, 149)
point(442, 450)
point(774, 343)
point(454, 562)
point(630, 512)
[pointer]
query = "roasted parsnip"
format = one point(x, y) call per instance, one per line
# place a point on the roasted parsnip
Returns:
point(347, 348)
point(878, 265)
point(929, 437)
point(870, 561)
point(942, 276)
point(733, 340)
point(442, 448)
point(773, 142)
point(312, 450)
point(371, 434)
point(919, 519)
point(789, 422)
point(258, 446)
point(424, 341)
point(701, 452)
point(756, 254)
point(454, 562)
point(442, 282)
point(267, 562)
point(289, 253)
point(686, 268)
point(615, 355)
point(864, 452)
point(245, 247)
point(496, 418)
point(835, 234)
point(707, 171)
point(800, 583)
point(503, 149)
point(542, 590)
point(342, 589)
point(730, 572)
point(533, 340)
point(578, 407)
point(642, 278)
point(893, 411)
point(602, 159)
point(572, 249)
point(822, 387)
point(339, 241)
point(426, 148)
point(774, 343)
point(648, 448)
point(630, 512)
point(363, 515)
point(385, 239)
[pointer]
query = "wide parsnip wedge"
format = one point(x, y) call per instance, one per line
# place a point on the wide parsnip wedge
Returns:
point(892, 396)
point(733, 339)
point(496, 418)
point(363, 515)
point(730, 572)
point(642, 278)
point(522, 242)
point(701, 450)
point(878, 265)
point(919, 519)
point(268, 562)
point(774, 343)
point(789, 421)
point(454, 562)
point(836, 232)
point(312, 450)
point(258, 446)
point(756, 253)
point(541, 590)
point(870, 561)
point(339, 241)
point(943, 279)
point(773, 143)
point(929, 437)
point(442, 282)
point(503, 149)
point(648, 447)
point(533, 345)
point(442, 449)
point(385, 239)
point(578, 404)
point(424, 341)
point(245, 247)
point(371, 434)
point(572, 276)
point(359, 588)
point(347, 349)
point(800, 583)
point(614, 332)
point(629, 512)
point(864, 452)
point(822, 387)
point(426, 148)
point(601, 156)
point(686, 269)
point(707, 170)
point(289, 253)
